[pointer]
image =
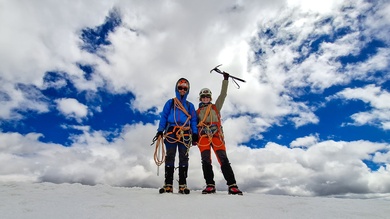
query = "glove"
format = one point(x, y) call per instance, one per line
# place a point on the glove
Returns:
point(159, 133)
point(225, 76)
point(195, 139)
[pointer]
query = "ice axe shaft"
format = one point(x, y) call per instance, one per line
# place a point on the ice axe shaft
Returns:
point(221, 72)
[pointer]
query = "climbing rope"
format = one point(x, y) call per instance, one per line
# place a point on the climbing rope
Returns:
point(208, 130)
point(181, 136)
point(159, 152)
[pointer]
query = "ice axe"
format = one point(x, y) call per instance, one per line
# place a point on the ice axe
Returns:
point(222, 72)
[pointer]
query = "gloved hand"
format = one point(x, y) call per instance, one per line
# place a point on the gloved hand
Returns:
point(226, 76)
point(195, 139)
point(160, 133)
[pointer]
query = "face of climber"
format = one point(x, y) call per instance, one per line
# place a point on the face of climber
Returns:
point(182, 90)
point(182, 87)
point(205, 95)
point(205, 98)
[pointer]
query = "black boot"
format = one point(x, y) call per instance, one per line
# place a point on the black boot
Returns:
point(167, 188)
point(183, 180)
point(183, 175)
point(169, 174)
point(233, 190)
point(183, 189)
point(210, 188)
point(168, 180)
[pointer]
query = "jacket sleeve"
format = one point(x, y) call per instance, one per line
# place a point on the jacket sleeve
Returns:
point(221, 98)
point(164, 116)
point(194, 119)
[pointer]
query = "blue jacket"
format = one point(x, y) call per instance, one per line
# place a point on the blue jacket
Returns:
point(168, 116)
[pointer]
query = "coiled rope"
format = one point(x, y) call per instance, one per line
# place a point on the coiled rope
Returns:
point(159, 152)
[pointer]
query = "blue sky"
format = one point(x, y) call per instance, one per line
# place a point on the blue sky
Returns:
point(82, 91)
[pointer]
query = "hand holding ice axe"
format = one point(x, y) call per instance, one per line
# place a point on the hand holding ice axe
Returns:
point(225, 73)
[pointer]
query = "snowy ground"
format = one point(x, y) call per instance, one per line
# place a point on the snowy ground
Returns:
point(47, 200)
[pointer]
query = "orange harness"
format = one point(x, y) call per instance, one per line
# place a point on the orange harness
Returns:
point(209, 130)
point(179, 130)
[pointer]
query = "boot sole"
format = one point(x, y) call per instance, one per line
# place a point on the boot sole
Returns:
point(208, 192)
point(185, 192)
point(235, 194)
point(162, 190)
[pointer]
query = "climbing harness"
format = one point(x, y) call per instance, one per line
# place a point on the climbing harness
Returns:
point(182, 132)
point(209, 130)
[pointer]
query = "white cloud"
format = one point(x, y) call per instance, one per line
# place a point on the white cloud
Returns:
point(320, 7)
point(43, 37)
point(376, 98)
point(72, 108)
point(16, 99)
point(152, 44)
point(324, 168)
point(304, 142)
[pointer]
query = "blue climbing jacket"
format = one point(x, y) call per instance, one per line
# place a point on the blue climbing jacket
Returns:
point(171, 116)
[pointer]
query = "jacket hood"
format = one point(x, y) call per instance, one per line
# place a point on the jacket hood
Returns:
point(180, 81)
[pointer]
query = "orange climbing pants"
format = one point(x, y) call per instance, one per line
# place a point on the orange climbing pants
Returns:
point(216, 143)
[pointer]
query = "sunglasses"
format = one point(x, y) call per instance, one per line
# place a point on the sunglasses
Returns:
point(204, 96)
point(182, 88)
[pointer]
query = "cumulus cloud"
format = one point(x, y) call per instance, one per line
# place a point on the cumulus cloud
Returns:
point(326, 168)
point(72, 108)
point(376, 98)
point(304, 142)
point(15, 99)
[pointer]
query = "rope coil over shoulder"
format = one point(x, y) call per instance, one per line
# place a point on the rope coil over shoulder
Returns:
point(180, 129)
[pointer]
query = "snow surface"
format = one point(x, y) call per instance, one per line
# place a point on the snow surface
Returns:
point(48, 200)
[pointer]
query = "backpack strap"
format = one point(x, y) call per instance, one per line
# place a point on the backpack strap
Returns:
point(218, 114)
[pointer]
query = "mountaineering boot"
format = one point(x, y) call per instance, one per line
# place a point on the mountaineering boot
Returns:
point(167, 188)
point(183, 189)
point(183, 175)
point(210, 188)
point(169, 175)
point(233, 190)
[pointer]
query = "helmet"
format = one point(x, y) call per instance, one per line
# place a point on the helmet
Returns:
point(205, 92)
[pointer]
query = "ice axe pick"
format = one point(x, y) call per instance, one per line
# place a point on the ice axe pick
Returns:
point(231, 76)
